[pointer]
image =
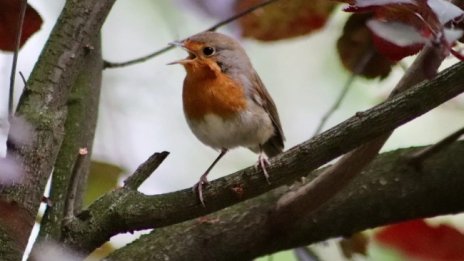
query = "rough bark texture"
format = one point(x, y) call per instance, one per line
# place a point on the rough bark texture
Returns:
point(79, 133)
point(388, 191)
point(43, 105)
point(125, 210)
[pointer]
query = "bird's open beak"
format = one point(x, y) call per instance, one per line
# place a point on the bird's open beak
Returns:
point(186, 60)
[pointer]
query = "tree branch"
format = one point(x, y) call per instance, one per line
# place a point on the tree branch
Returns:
point(79, 132)
point(70, 199)
point(241, 14)
point(340, 174)
point(125, 210)
point(418, 157)
point(144, 171)
point(19, 32)
point(43, 102)
point(387, 191)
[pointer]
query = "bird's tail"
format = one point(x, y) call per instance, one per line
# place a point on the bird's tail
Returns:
point(273, 146)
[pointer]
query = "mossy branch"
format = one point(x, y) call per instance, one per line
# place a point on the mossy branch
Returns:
point(389, 190)
point(134, 210)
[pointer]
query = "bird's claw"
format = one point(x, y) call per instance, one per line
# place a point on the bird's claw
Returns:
point(198, 189)
point(262, 163)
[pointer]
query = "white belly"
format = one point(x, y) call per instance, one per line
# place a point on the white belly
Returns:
point(248, 129)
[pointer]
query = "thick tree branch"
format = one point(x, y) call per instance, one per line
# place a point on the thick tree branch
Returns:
point(126, 210)
point(79, 132)
point(340, 174)
point(388, 191)
point(43, 102)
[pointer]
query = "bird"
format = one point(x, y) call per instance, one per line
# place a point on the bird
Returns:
point(225, 102)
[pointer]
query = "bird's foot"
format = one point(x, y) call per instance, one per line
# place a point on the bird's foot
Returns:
point(263, 162)
point(198, 189)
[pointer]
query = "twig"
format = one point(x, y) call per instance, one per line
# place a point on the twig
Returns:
point(23, 78)
point(416, 159)
point(357, 70)
point(335, 106)
point(144, 170)
point(70, 199)
point(237, 16)
point(107, 64)
point(15, 56)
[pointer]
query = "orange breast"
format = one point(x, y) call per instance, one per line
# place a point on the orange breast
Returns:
point(207, 90)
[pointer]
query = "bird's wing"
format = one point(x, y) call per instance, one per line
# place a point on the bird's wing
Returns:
point(276, 142)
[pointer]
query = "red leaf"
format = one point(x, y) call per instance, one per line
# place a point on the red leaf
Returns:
point(9, 15)
point(420, 240)
point(395, 51)
point(284, 19)
point(402, 27)
point(355, 46)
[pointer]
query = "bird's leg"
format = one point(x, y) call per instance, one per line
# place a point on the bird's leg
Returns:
point(198, 187)
point(263, 162)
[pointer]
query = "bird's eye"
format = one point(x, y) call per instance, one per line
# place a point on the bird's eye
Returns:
point(208, 51)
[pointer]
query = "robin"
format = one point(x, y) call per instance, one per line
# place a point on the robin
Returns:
point(225, 102)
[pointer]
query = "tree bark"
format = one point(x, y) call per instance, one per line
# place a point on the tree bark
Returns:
point(79, 128)
point(387, 191)
point(126, 210)
point(44, 105)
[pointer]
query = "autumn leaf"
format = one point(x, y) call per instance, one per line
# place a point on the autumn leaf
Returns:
point(9, 16)
point(403, 27)
point(419, 240)
point(284, 19)
point(357, 51)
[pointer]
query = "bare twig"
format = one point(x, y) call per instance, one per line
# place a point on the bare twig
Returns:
point(23, 78)
point(142, 59)
point(107, 64)
point(237, 16)
point(416, 159)
point(74, 182)
point(357, 70)
point(144, 170)
point(15, 56)
point(335, 106)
